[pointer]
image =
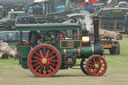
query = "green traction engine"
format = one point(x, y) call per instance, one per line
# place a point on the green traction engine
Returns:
point(45, 55)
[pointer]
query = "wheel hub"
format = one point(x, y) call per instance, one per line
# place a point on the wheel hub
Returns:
point(96, 65)
point(44, 61)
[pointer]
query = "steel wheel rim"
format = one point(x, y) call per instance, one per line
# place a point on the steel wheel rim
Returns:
point(96, 66)
point(44, 61)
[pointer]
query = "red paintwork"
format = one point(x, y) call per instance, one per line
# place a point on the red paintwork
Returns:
point(79, 4)
point(44, 52)
point(70, 60)
point(91, 2)
point(91, 66)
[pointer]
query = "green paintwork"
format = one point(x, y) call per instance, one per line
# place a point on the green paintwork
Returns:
point(74, 48)
point(73, 57)
point(24, 51)
point(70, 44)
point(46, 27)
point(86, 51)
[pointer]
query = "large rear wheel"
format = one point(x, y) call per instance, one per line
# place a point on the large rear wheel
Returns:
point(44, 60)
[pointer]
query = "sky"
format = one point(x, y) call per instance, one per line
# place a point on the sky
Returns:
point(15, 1)
point(39, 0)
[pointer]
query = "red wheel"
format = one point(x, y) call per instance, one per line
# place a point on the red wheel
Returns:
point(44, 60)
point(83, 66)
point(96, 65)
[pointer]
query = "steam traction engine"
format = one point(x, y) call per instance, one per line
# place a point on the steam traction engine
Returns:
point(55, 51)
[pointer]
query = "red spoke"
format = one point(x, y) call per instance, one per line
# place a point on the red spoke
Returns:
point(36, 64)
point(41, 69)
point(44, 70)
point(90, 68)
point(41, 54)
point(48, 70)
point(44, 50)
point(37, 67)
point(35, 60)
point(102, 66)
point(52, 58)
point(53, 64)
point(47, 54)
point(52, 68)
point(91, 62)
point(95, 71)
point(97, 60)
point(36, 57)
point(37, 54)
point(50, 53)
point(98, 70)
point(94, 60)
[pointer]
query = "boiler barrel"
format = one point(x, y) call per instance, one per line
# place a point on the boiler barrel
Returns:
point(85, 51)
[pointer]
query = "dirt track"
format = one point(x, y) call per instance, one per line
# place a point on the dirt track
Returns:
point(15, 75)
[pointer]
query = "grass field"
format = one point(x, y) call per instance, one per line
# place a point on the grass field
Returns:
point(122, 59)
point(117, 72)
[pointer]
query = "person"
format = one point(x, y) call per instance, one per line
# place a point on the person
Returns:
point(68, 5)
point(34, 37)
point(87, 2)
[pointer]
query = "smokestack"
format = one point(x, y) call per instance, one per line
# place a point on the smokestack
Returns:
point(96, 28)
point(98, 48)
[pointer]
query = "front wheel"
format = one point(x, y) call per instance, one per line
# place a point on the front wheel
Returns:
point(96, 65)
point(44, 60)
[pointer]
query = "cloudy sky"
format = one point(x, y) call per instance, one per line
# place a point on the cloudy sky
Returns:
point(15, 1)
point(39, 0)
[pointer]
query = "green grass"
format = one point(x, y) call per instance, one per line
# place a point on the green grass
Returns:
point(10, 61)
point(112, 60)
point(122, 59)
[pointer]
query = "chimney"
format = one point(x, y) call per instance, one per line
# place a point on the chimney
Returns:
point(96, 28)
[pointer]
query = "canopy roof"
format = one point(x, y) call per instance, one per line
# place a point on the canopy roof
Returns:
point(47, 27)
